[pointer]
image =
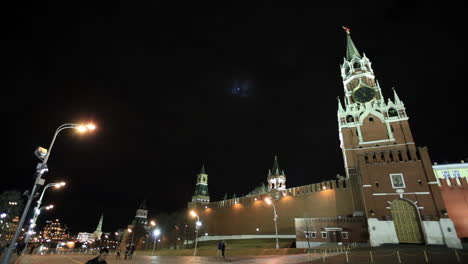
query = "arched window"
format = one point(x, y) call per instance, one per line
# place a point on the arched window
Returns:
point(392, 112)
point(371, 119)
point(350, 119)
point(356, 65)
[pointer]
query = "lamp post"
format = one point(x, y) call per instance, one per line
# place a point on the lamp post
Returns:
point(156, 234)
point(268, 201)
point(41, 169)
point(131, 240)
point(37, 209)
point(30, 232)
point(197, 225)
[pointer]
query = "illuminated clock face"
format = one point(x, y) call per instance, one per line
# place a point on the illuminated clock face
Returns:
point(364, 94)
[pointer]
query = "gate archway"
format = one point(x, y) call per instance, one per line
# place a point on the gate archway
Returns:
point(406, 220)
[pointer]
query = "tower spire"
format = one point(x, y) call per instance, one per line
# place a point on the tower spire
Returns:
point(351, 50)
point(99, 227)
point(98, 232)
point(203, 169)
point(276, 168)
point(395, 96)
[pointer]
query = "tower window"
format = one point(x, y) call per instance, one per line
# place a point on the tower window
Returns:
point(377, 184)
point(357, 65)
point(350, 119)
point(371, 119)
point(392, 112)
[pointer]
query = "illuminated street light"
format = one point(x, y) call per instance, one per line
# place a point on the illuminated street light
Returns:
point(269, 201)
point(41, 168)
point(197, 225)
point(38, 208)
point(131, 231)
point(156, 233)
point(153, 223)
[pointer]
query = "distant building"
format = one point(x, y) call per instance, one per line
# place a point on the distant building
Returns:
point(85, 237)
point(137, 231)
point(55, 231)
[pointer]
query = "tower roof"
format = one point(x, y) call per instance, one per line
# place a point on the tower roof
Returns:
point(99, 227)
point(276, 168)
point(203, 169)
point(351, 50)
point(143, 205)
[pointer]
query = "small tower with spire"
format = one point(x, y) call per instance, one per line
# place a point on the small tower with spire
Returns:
point(141, 217)
point(276, 177)
point(201, 194)
point(98, 232)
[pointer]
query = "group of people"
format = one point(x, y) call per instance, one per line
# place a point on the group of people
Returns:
point(103, 253)
point(128, 252)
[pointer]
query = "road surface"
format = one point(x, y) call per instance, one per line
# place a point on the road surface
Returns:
point(81, 259)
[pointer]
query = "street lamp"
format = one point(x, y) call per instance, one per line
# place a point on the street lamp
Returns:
point(268, 201)
point(37, 209)
point(156, 233)
point(131, 240)
point(41, 168)
point(197, 225)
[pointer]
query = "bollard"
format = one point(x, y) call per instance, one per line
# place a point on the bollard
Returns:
point(398, 255)
point(371, 258)
point(347, 259)
point(456, 254)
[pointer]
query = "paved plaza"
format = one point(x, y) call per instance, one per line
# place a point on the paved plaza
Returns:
point(81, 259)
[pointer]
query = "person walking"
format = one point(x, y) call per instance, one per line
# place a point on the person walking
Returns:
point(223, 248)
point(101, 258)
point(117, 255)
point(220, 248)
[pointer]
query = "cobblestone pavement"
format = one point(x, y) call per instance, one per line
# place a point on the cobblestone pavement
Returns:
point(81, 259)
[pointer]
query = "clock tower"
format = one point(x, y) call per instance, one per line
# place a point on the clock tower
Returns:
point(392, 181)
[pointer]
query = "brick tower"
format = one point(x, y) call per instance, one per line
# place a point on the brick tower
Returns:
point(392, 179)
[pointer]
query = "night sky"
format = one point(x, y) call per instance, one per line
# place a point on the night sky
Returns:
point(172, 86)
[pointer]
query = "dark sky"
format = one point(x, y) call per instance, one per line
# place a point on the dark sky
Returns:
point(160, 81)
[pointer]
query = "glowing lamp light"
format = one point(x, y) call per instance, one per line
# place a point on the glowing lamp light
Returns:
point(156, 232)
point(324, 187)
point(129, 230)
point(86, 128)
point(60, 185)
point(268, 200)
point(192, 213)
point(199, 223)
point(152, 223)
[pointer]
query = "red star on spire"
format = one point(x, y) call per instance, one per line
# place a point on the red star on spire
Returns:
point(346, 29)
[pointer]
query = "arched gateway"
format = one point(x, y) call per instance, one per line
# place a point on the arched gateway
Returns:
point(406, 220)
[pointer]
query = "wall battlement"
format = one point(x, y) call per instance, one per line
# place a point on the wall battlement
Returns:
point(295, 191)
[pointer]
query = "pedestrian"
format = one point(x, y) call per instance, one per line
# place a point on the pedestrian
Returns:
point(127, 252)
point(117, 256)
point(223, 247)
point(220, 248)
point(101, 258)
point(132, 250)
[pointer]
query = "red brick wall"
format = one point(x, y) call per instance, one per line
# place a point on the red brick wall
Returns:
point(456, 203)
point(244, 217)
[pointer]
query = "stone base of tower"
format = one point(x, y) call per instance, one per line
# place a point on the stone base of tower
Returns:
point(440, 232)
point(381, 232)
